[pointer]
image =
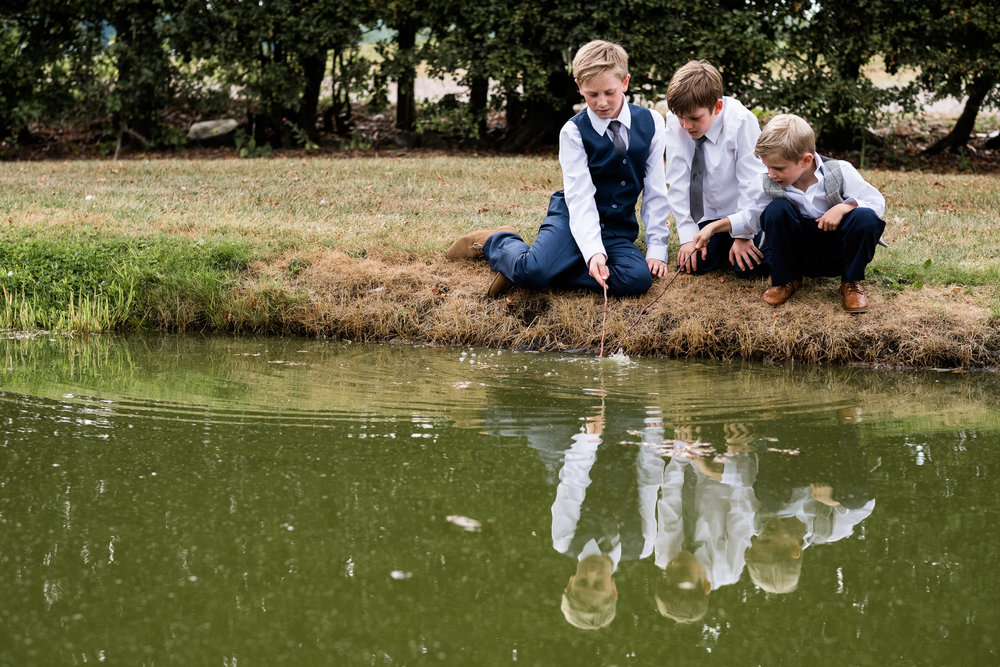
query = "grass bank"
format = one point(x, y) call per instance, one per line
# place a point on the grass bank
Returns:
point(353, 247)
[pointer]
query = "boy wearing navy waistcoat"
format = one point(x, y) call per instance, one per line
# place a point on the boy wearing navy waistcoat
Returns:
point(713, 174)
point(823, 218)
point(609, 153)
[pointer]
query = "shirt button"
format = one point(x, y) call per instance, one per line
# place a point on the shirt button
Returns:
point(623, 182)
point(614, 206)
point(624, 161)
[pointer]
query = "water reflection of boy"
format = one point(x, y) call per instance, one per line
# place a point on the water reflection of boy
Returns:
point(815, 497)
point(704, 523)
point(598, 518)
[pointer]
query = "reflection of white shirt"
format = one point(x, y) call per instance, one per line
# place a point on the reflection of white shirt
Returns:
point(824, 524)
point(724, 518)
point(732, 171)
point(579, 190)
point(574, 479)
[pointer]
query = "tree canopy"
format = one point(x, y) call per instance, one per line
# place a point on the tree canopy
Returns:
point(295, 69)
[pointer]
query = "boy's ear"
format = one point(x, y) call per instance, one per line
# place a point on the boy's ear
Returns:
point(718, 107)
point(807, 160)
point(796, 551)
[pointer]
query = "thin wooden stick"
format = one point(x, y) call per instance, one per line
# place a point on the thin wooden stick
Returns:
point(604, 322)
point(621, 341)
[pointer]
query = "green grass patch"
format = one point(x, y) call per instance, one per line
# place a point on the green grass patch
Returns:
point(89, 283)
point(233, 244)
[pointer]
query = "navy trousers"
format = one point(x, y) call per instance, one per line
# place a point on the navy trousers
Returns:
point(798, 247)
point(555, 260)
point(718, 255)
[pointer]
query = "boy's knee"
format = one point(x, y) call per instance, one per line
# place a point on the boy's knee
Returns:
point(780, 212)
point(631, 284)
point(867, 221)
point(779, 208)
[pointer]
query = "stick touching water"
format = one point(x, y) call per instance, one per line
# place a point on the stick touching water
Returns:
point(621, 341)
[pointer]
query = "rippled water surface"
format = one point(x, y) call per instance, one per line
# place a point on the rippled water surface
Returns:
point(188, 500)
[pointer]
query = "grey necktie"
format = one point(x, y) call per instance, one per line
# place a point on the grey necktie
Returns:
point(616, 136)
point(689, 507)
point(698, 180)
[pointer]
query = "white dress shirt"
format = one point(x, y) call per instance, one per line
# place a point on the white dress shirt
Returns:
point(724, 522)
point(732, 171)
point(574, 479)
point(812, 202)
point(578, 187)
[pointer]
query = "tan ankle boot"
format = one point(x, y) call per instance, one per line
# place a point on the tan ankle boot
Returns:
point(470, 246)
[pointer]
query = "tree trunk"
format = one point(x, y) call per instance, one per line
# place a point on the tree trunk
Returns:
point(540, 120)
point(958, 138)
point(479, 90)
point(313, 67)
point(406, 99)
point(143, 72)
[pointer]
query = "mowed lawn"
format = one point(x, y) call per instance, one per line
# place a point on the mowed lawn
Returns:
point(246, 227)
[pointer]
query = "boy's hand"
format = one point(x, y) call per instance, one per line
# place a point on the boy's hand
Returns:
point(599, 269)
point(687, 257)
point(745, 254)
point(657, 267)
point(829, 220)
point(702, 238)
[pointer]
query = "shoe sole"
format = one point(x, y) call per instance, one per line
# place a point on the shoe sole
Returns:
point(498, 285)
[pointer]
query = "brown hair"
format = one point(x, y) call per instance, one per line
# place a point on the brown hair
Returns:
point(695, 85)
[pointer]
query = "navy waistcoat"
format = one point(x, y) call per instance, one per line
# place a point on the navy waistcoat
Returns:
point(618, 179)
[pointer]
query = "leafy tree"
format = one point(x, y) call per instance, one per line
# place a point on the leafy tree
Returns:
point(820, 75)
point(401, 53)
point(144, 80)
point(955, 50)
point(527, 49)
point(47, 52)
point(276, 52)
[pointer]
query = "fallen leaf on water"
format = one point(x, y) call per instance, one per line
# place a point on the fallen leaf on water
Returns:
point(464, 522)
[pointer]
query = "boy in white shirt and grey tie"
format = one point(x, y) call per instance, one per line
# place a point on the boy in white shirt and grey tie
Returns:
point(712, 172)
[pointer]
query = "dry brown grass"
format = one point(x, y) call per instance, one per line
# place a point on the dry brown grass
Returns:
point(354, 248)
point(708, 316)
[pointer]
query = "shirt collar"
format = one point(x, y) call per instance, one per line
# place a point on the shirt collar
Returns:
point(600, 125)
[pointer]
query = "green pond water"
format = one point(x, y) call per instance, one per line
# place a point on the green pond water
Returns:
point(220, 501)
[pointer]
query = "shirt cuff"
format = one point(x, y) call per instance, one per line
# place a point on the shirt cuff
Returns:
point(686, 232)
point(656, 251)
point(741, 228)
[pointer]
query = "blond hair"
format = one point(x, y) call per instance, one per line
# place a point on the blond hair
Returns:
point(773, 567)
point(787, 136)
point(588, 612)
point(681, 601)
point(696, 85)
point(597, 57)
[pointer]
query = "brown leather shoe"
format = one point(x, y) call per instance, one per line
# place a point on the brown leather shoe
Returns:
point(500, 284)
point(778, 294)
point(853, 295)
point(470, 246)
